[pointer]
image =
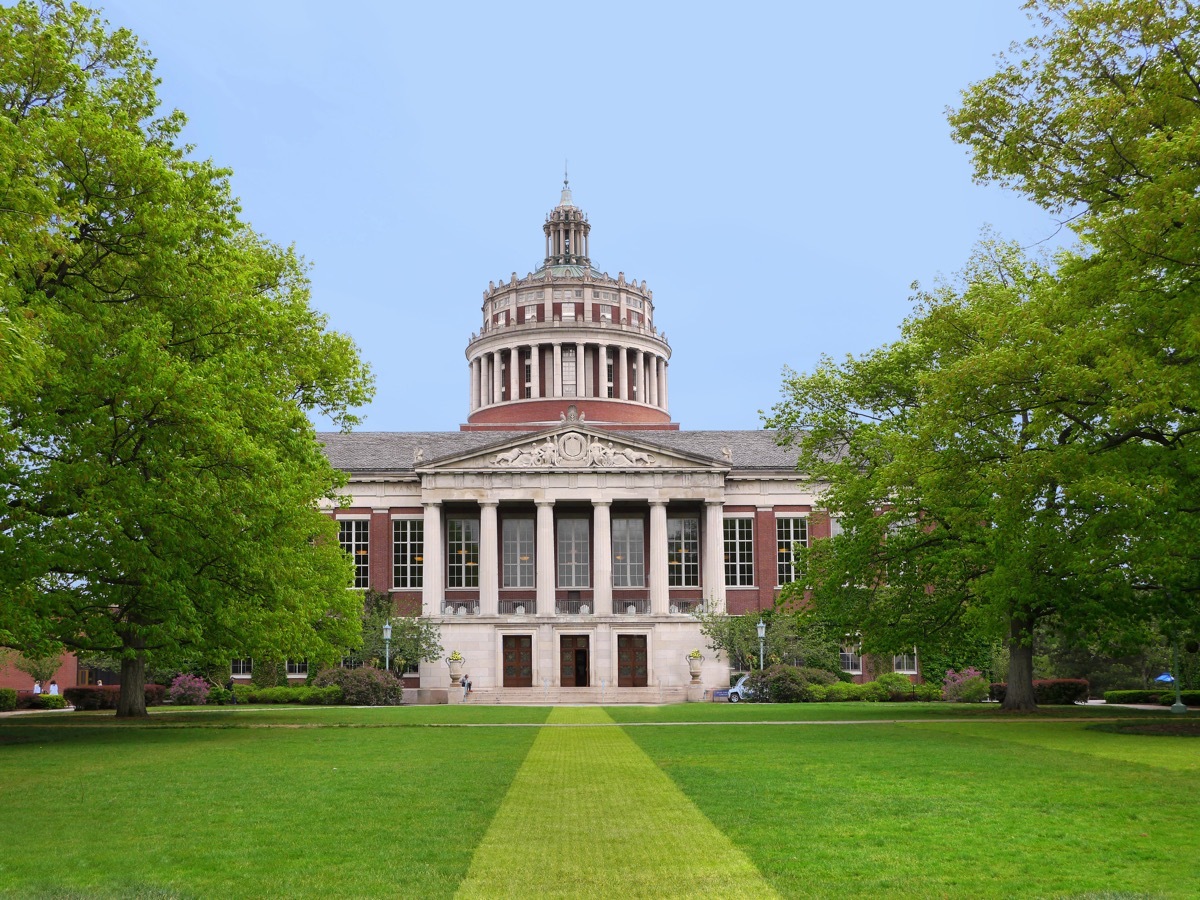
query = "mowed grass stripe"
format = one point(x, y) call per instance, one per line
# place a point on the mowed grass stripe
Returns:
point(590, 815)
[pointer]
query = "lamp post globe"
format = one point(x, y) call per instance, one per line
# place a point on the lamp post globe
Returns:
point(762, 634)
point(387, 645)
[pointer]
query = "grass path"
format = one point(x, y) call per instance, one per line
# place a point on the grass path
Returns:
point(589, 814)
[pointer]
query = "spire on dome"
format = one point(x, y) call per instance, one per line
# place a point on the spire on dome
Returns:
point(566, 191)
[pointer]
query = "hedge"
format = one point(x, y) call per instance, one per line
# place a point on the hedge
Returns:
point(8, 699)
point(1049, 691)
point(105, 696)
point(308, 696)
point(30, 700)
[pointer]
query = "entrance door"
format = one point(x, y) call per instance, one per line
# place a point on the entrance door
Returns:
point(518, 660)
point(631, 660)
point(573, 648)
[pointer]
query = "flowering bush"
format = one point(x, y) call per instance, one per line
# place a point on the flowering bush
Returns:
point(455, 656)
point(189, 690)
point(366, 686)
point(967, 686)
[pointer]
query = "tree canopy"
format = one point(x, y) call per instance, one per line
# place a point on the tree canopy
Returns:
point(161, 479)
point(1027, 449)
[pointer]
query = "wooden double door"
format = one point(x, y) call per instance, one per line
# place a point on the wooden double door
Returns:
point(518, 660)
point(632, 662)
point(574, 655)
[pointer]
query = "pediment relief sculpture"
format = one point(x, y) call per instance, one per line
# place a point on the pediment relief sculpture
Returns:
point(572, 450)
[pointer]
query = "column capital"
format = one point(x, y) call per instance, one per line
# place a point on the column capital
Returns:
point(489, 502)
point(658, 502)
point(714, 503)
point(543, 502)
point(431, 502)
point(601, 503)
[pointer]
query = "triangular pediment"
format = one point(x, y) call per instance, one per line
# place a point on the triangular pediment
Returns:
point(572, 446)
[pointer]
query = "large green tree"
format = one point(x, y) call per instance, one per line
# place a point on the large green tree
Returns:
point(161, 479)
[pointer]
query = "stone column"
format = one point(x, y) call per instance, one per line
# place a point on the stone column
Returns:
point(639, 375)
point(535, 370)
point(473, 388)
point(489, 559)
point(516, 381)
point(662, 393)
point(484, 380)
point(653, 380)
point(432, 567)
point(544, 554)
point(602, 556)
point(497, 377)
point(622, 373)
point(580, 380)
point(714, 556)
point(659, 595)
point(557, 370)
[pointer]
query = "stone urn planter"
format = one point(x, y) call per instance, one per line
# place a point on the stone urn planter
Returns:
point(694, 663)
point(455, 669)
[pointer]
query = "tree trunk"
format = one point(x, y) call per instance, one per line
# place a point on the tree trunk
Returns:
point(132, 701)
point(1019, 694)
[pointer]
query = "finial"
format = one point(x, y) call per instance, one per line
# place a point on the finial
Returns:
point(566, 181)
point(566, 191)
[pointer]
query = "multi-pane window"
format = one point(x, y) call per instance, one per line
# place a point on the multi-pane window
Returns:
point(568, 371)
point(739, 552)
point(241, 668)
point(851, 657)
point(628, 553)
point(683, 552)
point(608, 359)
point(568, 312)
point(518, 552)
point(352, 533)
point(462, 553)
point(527, 373)
point(905, 663)
point(789, 533)
point(297, 668)
point(408, 552)
point(573, 553)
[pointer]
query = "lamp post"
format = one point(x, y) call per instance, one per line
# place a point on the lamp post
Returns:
point(387, 645)
point(762, 634)
point(1178, 706)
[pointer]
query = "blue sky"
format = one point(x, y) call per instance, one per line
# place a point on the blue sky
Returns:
point(779, 174)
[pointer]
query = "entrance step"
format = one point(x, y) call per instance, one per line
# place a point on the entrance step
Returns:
point(565, 696)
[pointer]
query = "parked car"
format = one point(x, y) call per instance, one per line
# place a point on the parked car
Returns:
point(741, 691)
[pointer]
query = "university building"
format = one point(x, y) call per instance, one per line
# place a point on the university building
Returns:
point(564, 535)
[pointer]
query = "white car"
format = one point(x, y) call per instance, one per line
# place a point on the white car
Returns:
point(740, 691)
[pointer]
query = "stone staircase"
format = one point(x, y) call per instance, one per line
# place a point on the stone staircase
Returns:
point(560, 696)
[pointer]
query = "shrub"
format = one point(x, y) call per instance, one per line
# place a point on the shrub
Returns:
point(872, 692)
point(898, 686)
point(1151, 696)
point(366, 686)
point(1049, 691)
point(243, 692)
point(219, 696)
point(790, 684)
point(8, 699)
point(96, 696)
point(928, 691)
point(818, 692)
point(1189, 698)
point(308, 696)
point(189, 690)
point(30, 700)
point(967, 686)
point(155, 694)
point(842, 692)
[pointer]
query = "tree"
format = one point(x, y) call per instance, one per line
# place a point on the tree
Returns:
point(161, 479)
point(414, 639)
point(39, 668)
point(790, 638)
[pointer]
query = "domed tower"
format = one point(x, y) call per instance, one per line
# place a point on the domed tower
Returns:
point(568, 336)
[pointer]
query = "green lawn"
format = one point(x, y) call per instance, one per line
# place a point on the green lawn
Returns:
point(391, 802)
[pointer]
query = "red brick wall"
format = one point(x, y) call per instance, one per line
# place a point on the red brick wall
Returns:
point(66, 676)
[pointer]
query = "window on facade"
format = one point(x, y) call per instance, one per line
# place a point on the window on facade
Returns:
point(835, 526)
point(905, 663)
point(568, 371)
point(462, 556)
point(408, 552)
point(568, 312)
point(573, 553)
point(605, 313)
point(297, 668)
point(739, 552)
point(608, 358)
point(789, 533)
point(527, 373)
point(683, 552)
point(628, 552)
point(851, 659)
point(517, 539)
point(241, 668)
point(352, 533)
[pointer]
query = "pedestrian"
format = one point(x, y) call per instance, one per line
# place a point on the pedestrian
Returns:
point(466, 682)
point(232, 695)
point(37, 687)
point(53, 688)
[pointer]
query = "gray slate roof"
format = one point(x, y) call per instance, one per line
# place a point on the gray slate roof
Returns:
point(394, 451)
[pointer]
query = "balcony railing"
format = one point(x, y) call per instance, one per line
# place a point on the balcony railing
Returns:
point(460, 608)
point(638, 607)
point(573, 607)
point(518, 607)
point(685, 607)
